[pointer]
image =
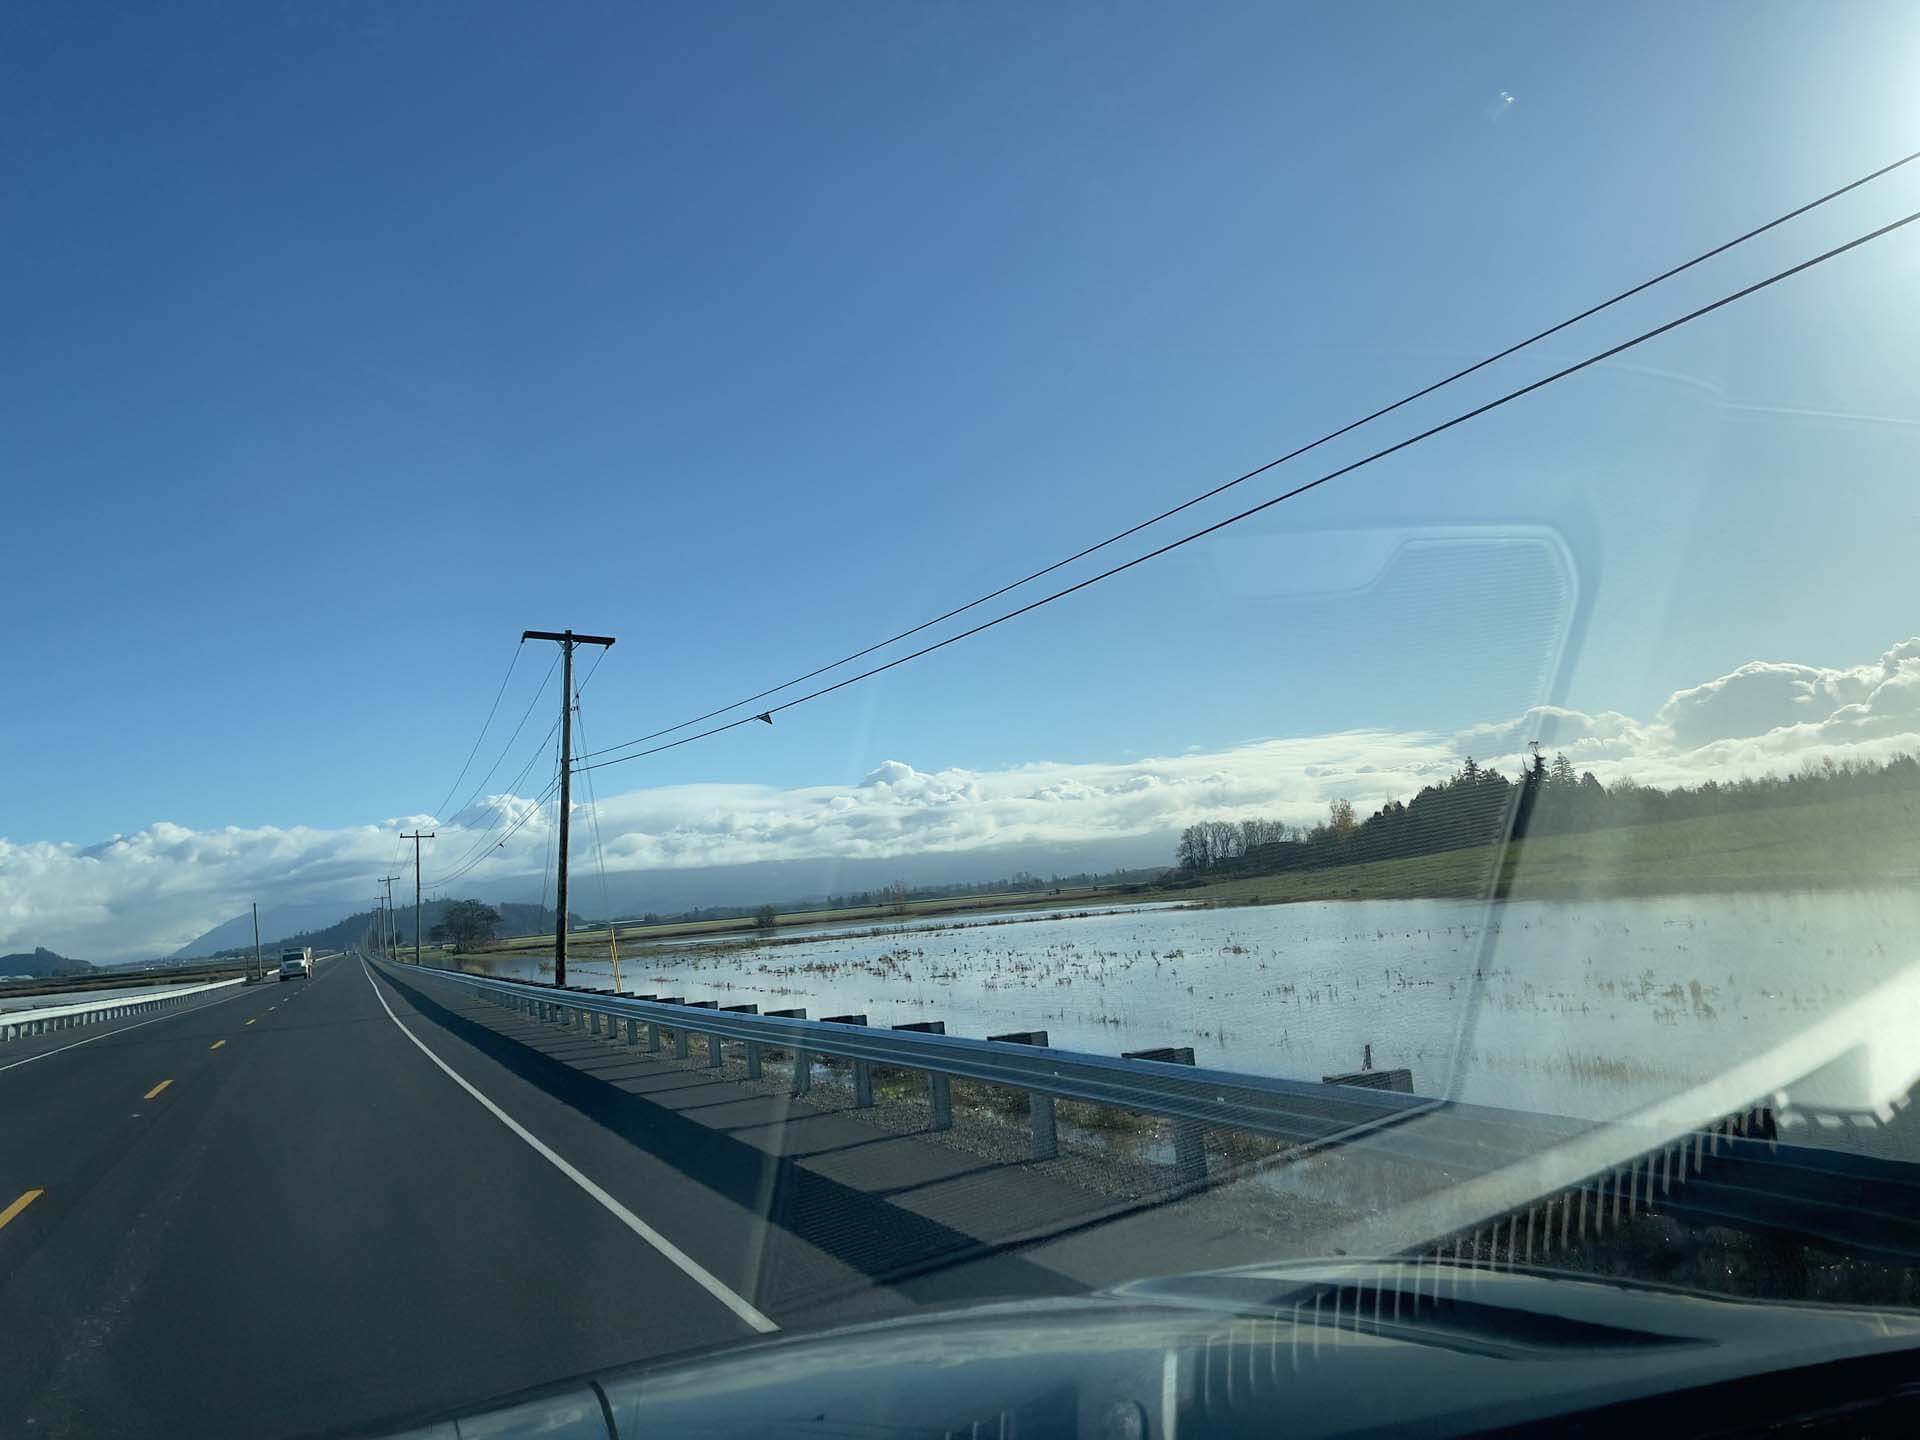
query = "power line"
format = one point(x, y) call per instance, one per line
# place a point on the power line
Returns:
point(499, 813)
point(593, 814)
point(440, 810)
point(525, 716)
point(580, 689)
point(546, 860)
point(480, 849)
point(1460, 419)
point(534, 807)
point(1331, 435)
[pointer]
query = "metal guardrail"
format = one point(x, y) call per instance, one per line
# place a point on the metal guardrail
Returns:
point(1719, 1174)
point(1299, 1113)
point(21, 1023)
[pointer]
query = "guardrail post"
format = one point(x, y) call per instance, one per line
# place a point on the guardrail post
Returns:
point(653, 1027)
point(633, 1031)
point(802, 1061)
point(683, 1050)
point(1189, 1140)
point(1045, 1132)
point(862, 1070)
point(939, 1087)
point(753, 1059)
point(680, 1035)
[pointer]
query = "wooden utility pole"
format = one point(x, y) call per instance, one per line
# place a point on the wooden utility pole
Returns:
point(389, 934)
point(566, 640)
point(416, 838)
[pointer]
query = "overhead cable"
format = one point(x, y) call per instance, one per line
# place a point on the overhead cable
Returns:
point(1330, 435)
point(1285, 495)
point(439, 810)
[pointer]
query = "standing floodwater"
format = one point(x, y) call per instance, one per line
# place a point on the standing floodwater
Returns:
point(1582, 1008)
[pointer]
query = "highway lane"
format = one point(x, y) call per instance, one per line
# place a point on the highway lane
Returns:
point(23, 1050)
point(311, 1226)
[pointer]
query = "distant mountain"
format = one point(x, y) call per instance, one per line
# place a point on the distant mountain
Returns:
point(277, 923)
point(675, 891)
point(672, 891)
point(41, 961)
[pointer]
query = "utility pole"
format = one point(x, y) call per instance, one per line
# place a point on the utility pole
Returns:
point(416, 838)
point(566, 640)
point(392, 934)
point(256, 939)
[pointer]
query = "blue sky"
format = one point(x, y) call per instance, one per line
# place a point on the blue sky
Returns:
point(340, 344)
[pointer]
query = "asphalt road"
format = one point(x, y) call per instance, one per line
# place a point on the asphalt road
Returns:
point(281, 1213)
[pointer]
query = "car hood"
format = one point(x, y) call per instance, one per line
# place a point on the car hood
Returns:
point(1320, 1349)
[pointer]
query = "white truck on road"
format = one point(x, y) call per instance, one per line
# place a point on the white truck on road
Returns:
point(296, 964)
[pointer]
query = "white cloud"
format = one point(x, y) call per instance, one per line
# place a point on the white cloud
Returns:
point(152, 891)
point(1764, 716)
point(1759, 697)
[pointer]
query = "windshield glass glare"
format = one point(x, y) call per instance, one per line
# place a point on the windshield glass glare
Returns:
point(898, 666)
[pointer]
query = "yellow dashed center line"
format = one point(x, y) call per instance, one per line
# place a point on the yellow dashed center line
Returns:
point(7, 1215)
point(156, 1090)
point(216, 1045)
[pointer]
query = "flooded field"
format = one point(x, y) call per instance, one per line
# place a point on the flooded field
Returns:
point(1585, 1009)
point(792, 934)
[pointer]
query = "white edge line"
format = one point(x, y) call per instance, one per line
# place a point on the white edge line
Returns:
point(170, 1015)
point(685, 1263)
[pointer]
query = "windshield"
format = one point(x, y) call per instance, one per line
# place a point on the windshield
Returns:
point(922, 657)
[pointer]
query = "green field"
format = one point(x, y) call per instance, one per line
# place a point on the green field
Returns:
point(1804, 847)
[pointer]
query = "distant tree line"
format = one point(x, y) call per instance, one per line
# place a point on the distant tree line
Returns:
point(899, 892)
point(514, 919)
point(1021, 882)
point(1478, 805)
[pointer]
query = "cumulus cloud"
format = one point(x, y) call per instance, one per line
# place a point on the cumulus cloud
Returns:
point(149, 892)
point(1603, 735)
point(1764, 716)
point(1759, 697)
